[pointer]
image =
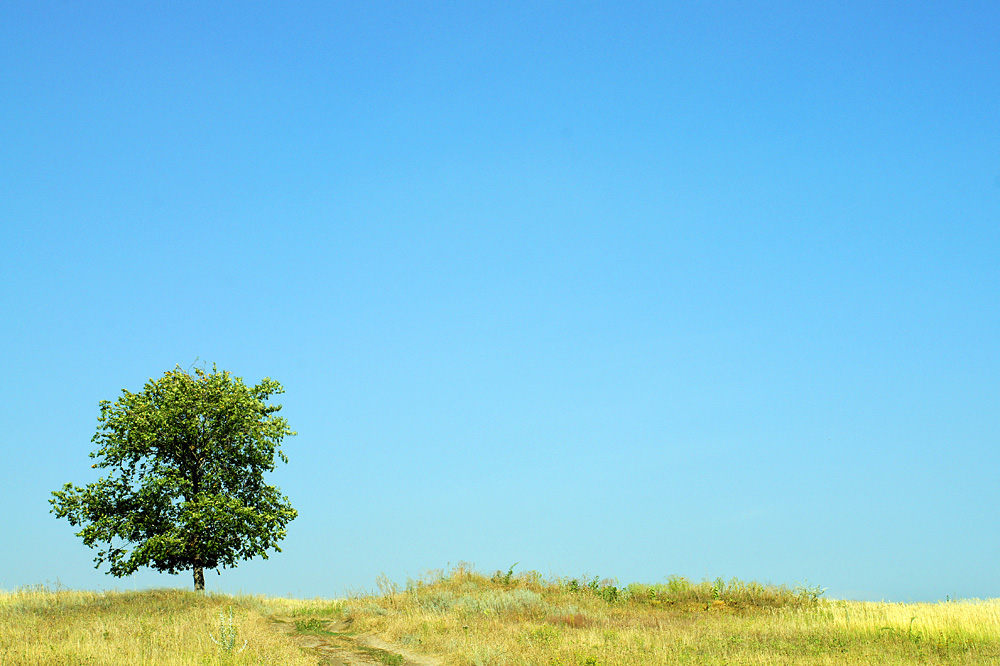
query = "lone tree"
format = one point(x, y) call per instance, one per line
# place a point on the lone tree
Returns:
point(186, 490)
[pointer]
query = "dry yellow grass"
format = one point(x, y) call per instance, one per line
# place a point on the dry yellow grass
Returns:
point(470, 620)
point(466, 619)
point(155, 628)
point(967, 620)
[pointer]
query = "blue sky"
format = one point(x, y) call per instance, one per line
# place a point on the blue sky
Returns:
point(618, 289)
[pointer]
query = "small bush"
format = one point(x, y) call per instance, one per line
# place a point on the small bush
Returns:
point(310, 625)
point(437, 601)
point(503, 603)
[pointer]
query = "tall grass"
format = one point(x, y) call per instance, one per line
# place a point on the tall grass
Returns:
point(474, 620)
point(155, 627)
point(464, 618)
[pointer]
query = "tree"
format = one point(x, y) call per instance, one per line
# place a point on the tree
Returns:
point(186, 490)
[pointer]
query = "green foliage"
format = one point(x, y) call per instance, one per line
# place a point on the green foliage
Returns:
point(187, 457)
point(609, 593)
point(810, 592)
point(311, 625)
point(382, 656)
point(505, 579)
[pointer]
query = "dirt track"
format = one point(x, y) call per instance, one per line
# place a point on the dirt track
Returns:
point(340, 648)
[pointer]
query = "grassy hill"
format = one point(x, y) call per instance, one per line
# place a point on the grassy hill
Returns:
point(462, 617)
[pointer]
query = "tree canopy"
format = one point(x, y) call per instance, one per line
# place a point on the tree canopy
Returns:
point(185, 490)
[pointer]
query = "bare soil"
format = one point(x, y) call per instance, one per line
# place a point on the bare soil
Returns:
point(341, 648)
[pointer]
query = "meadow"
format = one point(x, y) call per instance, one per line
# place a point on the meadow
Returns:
point(465, 618)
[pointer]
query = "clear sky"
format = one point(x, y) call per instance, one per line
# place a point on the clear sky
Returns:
point(618, 289)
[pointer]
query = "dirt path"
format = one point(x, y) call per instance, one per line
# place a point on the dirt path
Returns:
point(340, 648)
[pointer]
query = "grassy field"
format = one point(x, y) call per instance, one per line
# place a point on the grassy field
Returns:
point(155, 627)
point(462, 617)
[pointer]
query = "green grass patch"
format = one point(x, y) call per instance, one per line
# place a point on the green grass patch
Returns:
point(312, 625)
point(382, 656)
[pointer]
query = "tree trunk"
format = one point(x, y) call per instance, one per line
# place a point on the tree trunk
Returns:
point(195, 476)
